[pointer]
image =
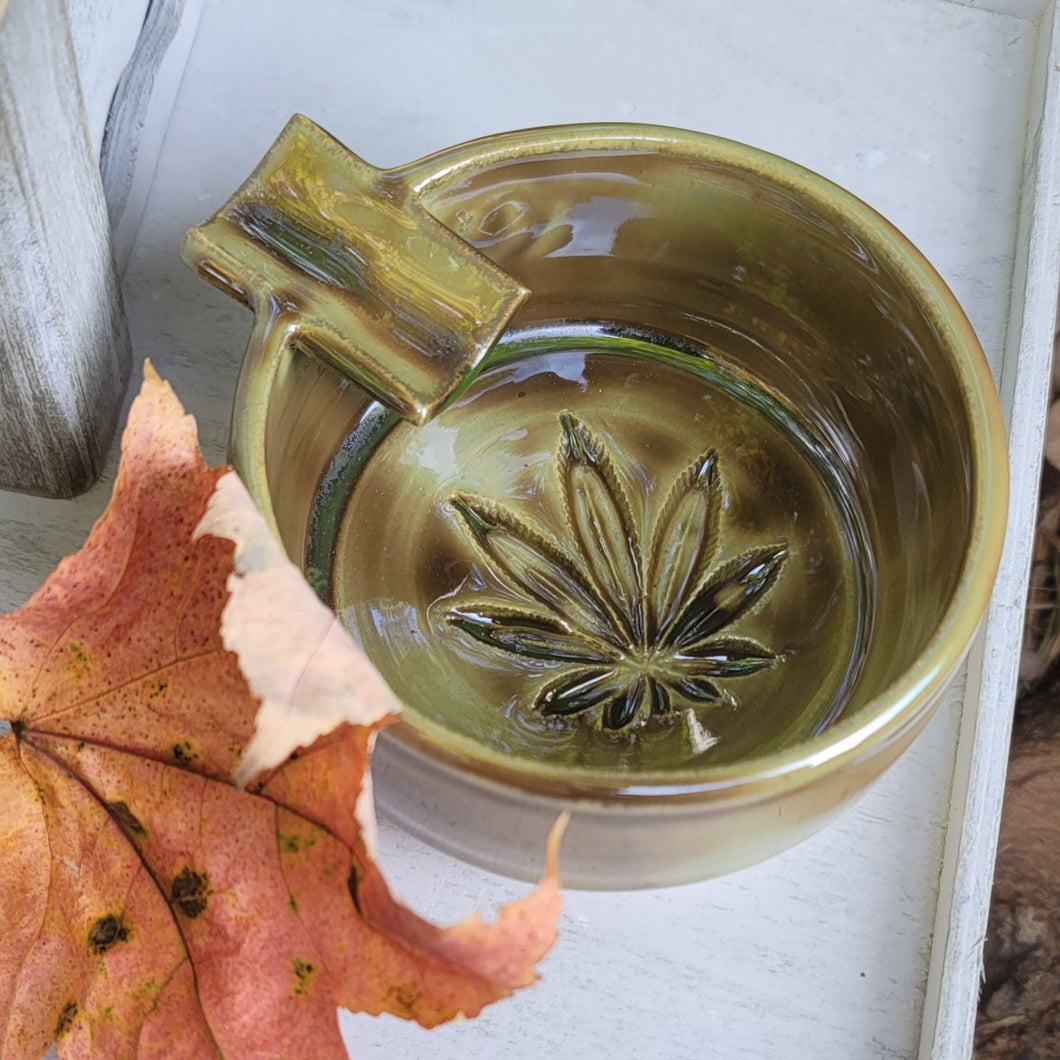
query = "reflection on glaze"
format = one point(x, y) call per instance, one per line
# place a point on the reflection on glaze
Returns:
point(631, 626)
point(594, 226)
point(435, 451)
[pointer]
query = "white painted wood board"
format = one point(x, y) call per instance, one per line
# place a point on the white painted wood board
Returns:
point(955, 970)
point(64, 348)
point(865, 940)
point(104, 35)
point(139, 115)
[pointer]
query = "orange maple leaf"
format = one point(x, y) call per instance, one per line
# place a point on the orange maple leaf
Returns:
point(149, 905)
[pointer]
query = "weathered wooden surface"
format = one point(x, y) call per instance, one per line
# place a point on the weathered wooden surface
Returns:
point(139, 116)
point(64, 347)
point(104, 34)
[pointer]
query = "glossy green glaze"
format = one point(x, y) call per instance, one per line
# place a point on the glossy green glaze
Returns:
point(738, 426)
point(339, 257)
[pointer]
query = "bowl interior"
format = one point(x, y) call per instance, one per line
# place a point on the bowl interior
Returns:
point(727, 362)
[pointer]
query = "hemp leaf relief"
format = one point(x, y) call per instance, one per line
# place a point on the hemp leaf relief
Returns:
point(629, 625)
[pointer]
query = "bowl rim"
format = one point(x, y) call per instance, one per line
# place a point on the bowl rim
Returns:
point(906, 702)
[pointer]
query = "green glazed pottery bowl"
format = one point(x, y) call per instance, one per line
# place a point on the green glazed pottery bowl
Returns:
point(690, 547)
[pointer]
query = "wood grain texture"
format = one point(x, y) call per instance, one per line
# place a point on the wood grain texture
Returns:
point(64, 347)
point(104, 34)
point(139, 115)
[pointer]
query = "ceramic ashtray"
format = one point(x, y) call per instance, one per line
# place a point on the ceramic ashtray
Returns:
point(662, 479)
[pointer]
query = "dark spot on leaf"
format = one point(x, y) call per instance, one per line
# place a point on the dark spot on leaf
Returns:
point(107, 931)
point(184, 753)
point(292, 903)
point(78, 652)
point(129, 822)
point(148, 988)
point(303, 972)
point(403, 999)
point(190, 892)
point(353, 884)
point(159, 689)
point(292, 844)
point(66, 1018)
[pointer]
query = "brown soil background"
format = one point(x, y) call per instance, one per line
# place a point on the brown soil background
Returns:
point(1019, 1011)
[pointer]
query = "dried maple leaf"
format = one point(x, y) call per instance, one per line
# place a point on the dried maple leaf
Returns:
point(150, 906)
